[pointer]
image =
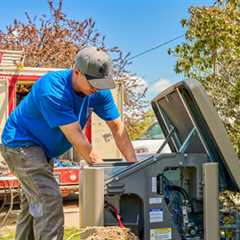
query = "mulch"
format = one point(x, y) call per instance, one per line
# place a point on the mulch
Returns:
point(107, 233)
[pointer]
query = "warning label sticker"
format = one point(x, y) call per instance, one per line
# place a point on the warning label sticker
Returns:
point(155, 200)
point(154, 184)
point(161, 234)
point(156, 215)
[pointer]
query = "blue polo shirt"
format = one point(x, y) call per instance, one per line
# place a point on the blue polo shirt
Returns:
point(53, 102)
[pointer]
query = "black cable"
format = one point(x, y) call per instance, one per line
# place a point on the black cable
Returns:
point(158, 46)
point(181, 190)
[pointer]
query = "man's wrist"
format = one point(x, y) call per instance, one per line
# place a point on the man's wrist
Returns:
point(132, 160)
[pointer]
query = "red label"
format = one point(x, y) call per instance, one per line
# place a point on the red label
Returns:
point(5, 77)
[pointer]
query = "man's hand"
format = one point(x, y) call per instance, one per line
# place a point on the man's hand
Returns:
point(75, 136)
point(94, 158)
point(122, 139)
point(132, 160)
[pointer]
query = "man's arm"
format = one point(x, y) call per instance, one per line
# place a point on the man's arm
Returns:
point(75, 136)
point(122, 139)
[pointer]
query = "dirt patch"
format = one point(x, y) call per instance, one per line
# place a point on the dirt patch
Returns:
point(107, 233)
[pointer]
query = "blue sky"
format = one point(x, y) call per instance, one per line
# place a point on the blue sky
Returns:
point(132, 25)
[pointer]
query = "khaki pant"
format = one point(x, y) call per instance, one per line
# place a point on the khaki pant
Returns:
point(41, 216)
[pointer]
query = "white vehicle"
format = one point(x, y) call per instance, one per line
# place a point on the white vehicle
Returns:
point(150, 142)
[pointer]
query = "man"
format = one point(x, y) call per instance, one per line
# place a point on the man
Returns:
point(47, 123)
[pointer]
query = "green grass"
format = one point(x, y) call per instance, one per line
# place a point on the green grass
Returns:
point(71, 231)
point(6, 234)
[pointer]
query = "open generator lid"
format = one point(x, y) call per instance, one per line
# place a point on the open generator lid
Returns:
point(188, 118)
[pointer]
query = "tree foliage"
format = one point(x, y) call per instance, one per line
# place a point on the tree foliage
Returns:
point(142, 124)
point(53, 40)
point(211, 54)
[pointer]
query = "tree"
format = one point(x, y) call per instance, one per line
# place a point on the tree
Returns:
point(211, 54)
point(135, 104)
point(53, 41)
point(143, 124)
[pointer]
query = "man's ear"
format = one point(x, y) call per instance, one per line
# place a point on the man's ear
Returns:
point(76, 71)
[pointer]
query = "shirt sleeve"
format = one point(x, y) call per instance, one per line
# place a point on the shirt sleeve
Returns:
point(56, 111)
point(104, 106)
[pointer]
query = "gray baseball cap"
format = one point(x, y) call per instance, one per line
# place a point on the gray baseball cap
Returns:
point(97, 67)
